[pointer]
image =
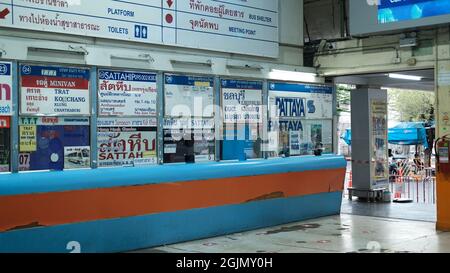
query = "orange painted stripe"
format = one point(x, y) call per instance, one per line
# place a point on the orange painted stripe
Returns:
point(48, 209)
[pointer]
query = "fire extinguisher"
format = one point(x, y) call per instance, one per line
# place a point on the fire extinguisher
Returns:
point(442, 148)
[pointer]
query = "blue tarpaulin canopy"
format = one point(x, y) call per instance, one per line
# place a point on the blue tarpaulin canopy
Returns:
point(405, 133)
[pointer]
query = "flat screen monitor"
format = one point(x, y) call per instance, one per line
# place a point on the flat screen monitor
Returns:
point(375, 16)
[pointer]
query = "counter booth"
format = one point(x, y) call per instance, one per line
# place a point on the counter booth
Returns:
point(111, 160)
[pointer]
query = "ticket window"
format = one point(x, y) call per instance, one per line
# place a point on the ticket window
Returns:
point(299, 137)
point(5, 144)
point(300, 119)
point(189, 126)
point(242, 141)
point(242, 113)
point(127, 121)
point(54, 122)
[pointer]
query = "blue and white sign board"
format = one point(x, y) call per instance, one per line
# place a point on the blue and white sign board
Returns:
point(242, 101)
point(189, 96)
point(6, 89)
point(300, 101)
point(246, 27)
point(127, 93)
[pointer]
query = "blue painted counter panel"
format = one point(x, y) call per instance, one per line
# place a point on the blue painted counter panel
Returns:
point(43, 182)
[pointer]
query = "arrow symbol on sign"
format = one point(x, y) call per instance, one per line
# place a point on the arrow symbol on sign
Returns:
point(3, 13)
point(169, 2)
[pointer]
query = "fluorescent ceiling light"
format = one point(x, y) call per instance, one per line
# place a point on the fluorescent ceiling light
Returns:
point(405, 77)
point(292, 75)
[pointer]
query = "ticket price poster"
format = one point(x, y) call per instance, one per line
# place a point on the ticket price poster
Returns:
point(127, 93)
point(120, 146)
point(53, 143)
point(52, 90)
point(242, 101)
point(5, 89)
point(184, 137)
point(189, 96)
point(380, 168)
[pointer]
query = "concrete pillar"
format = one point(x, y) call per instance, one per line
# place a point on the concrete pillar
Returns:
point(443, 122)
point(369, 141)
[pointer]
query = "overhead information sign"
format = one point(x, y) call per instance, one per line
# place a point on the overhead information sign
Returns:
point(246, 27)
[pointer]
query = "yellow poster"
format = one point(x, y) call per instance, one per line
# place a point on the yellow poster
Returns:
point(27, 138)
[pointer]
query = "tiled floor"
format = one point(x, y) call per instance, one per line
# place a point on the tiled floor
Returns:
point(406, 211)
point(342, 234)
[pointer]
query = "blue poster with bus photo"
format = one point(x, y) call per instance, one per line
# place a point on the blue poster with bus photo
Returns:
point(52, 143)
point(390, 11)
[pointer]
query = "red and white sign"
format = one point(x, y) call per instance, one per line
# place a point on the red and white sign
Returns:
point(54, 91)
point(5, 122)
point(5, 89)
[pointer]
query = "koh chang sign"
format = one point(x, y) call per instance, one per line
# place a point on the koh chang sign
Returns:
point(127, 93)
point(5, 89)
point(245, 27)
point(51, 90)
point(242, 101)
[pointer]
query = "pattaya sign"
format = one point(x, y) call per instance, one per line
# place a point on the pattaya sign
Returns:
point(300, 101)
point(5, 89)
point(127, 93)
point(242, 101)
point(52, 90)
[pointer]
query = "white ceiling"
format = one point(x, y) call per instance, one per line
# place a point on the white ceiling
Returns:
point(382, 80)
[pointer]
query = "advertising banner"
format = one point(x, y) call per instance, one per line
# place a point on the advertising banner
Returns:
point(51, 90)
point(380, 164)
point(54, 143)
point(127, 93)
point(6, 92)
point(245, 27)
point(126, 146)
point(242, 101)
